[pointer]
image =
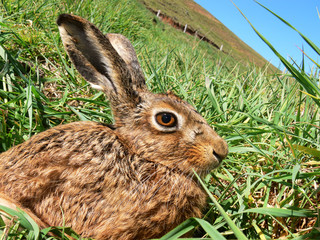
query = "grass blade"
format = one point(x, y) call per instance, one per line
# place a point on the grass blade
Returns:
point(281, 212)
point(301, 77)
point(311, 44)
point(24, 219)
point(182, 229)
point(238, 233)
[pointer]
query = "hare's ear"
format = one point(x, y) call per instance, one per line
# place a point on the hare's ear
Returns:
point(99, 63)
point(125, 49)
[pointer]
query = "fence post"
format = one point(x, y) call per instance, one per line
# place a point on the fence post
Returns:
point(185, 28)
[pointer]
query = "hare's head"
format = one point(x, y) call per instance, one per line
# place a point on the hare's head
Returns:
point(160, 128)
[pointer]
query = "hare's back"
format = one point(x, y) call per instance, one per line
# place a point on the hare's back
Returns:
point(60, 145)
point(34, 168)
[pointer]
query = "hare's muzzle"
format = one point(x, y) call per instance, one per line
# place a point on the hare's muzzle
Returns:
point(219, 149)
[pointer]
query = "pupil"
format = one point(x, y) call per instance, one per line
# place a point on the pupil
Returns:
point(166, 118)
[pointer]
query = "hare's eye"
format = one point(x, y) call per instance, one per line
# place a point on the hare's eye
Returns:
point(166, 119)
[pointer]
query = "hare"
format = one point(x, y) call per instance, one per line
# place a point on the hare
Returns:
point(130, 180)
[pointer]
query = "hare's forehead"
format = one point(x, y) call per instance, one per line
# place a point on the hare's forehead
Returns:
point(171, 103)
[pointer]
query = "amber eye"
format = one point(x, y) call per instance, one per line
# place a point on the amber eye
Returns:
point(166, 119)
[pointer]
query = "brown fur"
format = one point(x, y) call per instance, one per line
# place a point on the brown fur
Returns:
point(133, 180)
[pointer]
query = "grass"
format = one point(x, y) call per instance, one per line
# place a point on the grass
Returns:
point(267, 188)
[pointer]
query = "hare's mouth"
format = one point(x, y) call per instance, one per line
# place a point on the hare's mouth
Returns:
point(217, 156)
point(211, 158)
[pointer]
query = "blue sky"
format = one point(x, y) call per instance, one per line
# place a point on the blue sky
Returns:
point(302, 14)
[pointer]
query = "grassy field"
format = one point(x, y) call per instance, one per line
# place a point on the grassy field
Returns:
point(267, 188)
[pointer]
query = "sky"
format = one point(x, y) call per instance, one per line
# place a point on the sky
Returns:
point(302, 14)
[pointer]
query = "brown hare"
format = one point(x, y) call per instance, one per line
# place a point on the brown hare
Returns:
point(130, 180)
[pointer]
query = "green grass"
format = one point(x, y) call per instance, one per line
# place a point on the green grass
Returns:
point(267, 188)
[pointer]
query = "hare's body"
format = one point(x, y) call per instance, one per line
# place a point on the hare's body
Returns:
point(133, 180)
point(61, 172)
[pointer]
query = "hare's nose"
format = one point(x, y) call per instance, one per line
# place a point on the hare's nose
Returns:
point(220, 149)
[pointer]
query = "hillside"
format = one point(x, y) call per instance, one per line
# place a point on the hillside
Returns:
point(199, 22)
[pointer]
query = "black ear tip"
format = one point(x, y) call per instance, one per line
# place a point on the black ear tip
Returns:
point(61, 18)
point(71, 19)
